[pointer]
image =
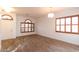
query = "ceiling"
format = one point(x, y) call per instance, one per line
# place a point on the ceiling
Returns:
point(37, 11)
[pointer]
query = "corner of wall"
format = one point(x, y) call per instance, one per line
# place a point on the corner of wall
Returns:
point(0, 45)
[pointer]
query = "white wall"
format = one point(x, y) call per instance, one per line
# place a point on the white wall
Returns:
point(21, 18)
point(46, 27)
point(0, 45)
point(11, 29)
point(0, 32)
point(7, 27)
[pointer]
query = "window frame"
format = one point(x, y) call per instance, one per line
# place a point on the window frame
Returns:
point(32, 26)
point(66, 24)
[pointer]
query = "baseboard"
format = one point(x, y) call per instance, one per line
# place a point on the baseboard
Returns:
point(9, 38)
point(58, 39)
point(25, 35)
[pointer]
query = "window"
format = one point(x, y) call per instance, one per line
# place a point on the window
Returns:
point(69, 24)
point(27, 26)
point(6, 17)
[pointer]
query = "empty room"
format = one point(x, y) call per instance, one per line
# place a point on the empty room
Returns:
point(39, 29)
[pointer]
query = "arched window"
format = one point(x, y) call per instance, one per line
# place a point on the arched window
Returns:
point(27, 26)
point(6, 17)
point(28, 21)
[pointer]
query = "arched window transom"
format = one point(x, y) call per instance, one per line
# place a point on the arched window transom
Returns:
point(27, 26)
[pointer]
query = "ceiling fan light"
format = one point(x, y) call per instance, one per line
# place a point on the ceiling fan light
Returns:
point(50, 15)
